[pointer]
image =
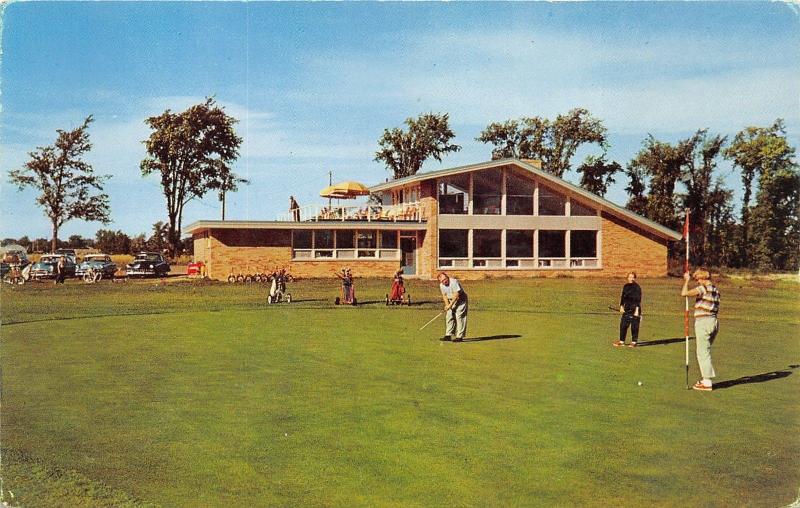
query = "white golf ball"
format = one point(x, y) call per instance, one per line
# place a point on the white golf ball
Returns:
point(640, 383)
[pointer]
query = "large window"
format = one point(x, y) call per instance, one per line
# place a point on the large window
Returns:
point(486, 243)
point(345, 239)
point(551, 202)
point(367, 243)
point(388, 239)
point(301, 238)
point(519, 243)
point(582, 244)
point(453, 243)
point(519, 195)
point(577, 209)
point(487, 189)
point(323, 243)
point(344, 244)
point(454, 194)
point(552, 244)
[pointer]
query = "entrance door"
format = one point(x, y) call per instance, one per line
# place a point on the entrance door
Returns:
point(408, 255)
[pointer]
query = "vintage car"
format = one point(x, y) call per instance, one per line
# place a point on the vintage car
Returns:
point(147, 264)
point(12, 255)
point(45, 268)
point(100, 263)
point(70, 253)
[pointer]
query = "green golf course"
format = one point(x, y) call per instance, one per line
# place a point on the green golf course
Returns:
point(200, 394)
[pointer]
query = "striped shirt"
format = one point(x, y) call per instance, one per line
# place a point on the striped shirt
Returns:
point(707, 302)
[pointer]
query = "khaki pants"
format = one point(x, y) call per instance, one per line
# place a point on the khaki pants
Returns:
point(457, 320)
point(705, 331)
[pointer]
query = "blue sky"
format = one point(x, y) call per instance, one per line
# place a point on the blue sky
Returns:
point(314, 84)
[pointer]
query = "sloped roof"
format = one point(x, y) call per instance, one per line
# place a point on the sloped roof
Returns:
point(602, 203)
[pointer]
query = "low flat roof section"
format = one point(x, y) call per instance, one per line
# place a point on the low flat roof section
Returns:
point(203, 225)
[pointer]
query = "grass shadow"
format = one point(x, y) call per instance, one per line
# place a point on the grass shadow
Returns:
point(661, 342)
point(492, 337)
point(757, 378)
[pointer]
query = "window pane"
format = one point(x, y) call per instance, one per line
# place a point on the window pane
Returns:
point(552, 244)
point(323, 239)
point(551, 202)
point(583, 244)
point(452, 243)
point(388, 239)
point(519, 244)
point(367, 239)
point(576, 208)
point(487, 188)
point(301, 238)
point(344, 239)
point(486, 243)
point(453, 194)
point(519, 195)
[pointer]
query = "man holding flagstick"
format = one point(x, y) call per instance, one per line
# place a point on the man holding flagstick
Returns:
point(706, 325)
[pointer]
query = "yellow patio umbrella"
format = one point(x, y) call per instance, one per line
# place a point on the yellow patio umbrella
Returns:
point(345, 190)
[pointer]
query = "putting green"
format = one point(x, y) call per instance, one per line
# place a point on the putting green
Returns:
point(190, 394)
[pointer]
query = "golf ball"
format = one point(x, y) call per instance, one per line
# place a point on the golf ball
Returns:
point(640, 383)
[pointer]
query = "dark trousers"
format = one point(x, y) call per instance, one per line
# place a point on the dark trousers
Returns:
point(626, 321)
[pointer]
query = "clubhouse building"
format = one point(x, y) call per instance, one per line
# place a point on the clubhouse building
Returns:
point(499, 218)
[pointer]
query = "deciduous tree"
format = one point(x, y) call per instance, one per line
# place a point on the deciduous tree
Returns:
point(68, 187)
point(552, 142)
point(427, 136)
point(192, 151)
point(597, 174)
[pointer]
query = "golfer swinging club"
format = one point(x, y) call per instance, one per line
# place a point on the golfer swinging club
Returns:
point(455, 308)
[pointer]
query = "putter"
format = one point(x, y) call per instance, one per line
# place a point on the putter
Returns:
point(431, 321)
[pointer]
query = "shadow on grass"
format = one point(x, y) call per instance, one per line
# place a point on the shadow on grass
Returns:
point(661, 342)
point(757, 378)
point(492, 337)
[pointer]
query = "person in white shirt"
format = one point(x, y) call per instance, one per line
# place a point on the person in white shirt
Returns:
point(455, 306)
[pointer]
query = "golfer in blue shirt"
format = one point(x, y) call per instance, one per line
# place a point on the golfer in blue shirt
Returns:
point(455, 306)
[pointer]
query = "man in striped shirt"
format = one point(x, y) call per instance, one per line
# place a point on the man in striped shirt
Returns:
point(706, 326)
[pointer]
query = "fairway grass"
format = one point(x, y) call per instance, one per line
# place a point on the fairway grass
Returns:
point(199, 394)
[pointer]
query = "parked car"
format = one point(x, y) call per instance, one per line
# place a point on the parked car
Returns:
point(147, 264)
point(12, 255)
point(45, 268)
point(100, 263)
point(70, 253)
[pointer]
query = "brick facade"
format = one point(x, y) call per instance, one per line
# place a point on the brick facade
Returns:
point(627, 248)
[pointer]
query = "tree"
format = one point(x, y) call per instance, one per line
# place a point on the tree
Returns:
point(160, 237)
point(192, 151)
point(112, 242)
point(597, 174)
point(65, 180)
point(755, 150)
point(775, 222)
point(39, 245)
point(404, 152)
point(702, 192)
point(78, 242)
point(552, 142)
point(659, 165)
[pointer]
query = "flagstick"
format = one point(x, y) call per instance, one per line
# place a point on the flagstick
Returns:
point(686, 313)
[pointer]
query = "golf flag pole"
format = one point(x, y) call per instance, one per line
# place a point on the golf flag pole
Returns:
point(686, 313)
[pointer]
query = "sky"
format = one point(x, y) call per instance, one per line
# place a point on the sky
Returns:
point(314, 84)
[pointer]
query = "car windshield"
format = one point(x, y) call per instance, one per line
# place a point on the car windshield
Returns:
point(49, 259)
point(148, 257)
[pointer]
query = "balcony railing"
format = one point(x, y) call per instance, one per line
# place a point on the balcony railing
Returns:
point(406, 212)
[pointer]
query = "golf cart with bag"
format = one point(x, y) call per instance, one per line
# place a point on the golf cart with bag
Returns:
point(277, 287)
point(348, 291)
point(397, 295)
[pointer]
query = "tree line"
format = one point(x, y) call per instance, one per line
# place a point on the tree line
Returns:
point(192, 152)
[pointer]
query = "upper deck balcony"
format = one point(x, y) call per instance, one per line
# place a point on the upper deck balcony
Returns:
point(405, 212)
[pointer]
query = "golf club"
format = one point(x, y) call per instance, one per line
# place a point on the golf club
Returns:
point(431, 321)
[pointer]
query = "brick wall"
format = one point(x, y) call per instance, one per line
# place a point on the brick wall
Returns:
point(427, 242)
point(627, 248)
point(359, 267)
point(248, 251)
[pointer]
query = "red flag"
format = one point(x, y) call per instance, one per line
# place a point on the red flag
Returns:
point(686, 228)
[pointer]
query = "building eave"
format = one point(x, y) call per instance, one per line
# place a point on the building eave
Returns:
point(204, 225)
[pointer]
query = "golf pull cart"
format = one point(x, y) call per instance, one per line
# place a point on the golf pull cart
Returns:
point(397, 295)
point(277, 287)
point(348, 289)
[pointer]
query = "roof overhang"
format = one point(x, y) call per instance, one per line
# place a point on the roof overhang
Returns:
point(602, 203)
point(204, 225)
